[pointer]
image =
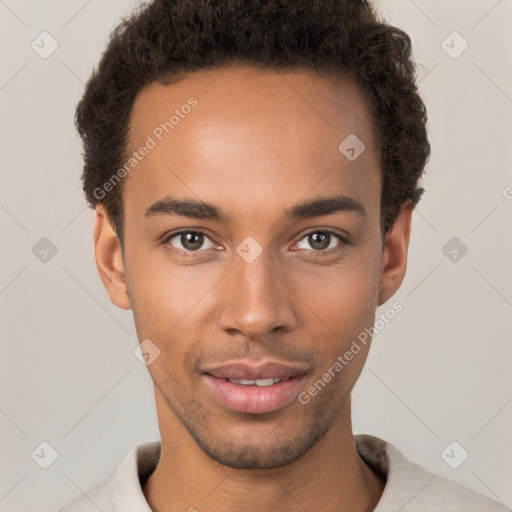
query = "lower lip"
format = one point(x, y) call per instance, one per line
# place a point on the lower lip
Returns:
point(255, 399)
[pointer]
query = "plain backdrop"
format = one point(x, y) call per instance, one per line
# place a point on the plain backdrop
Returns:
point(438, 374)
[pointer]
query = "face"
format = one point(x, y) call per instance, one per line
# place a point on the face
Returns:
point(252, 253)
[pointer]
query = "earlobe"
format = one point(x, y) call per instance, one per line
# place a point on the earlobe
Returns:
point(109, 259)
point(394, 260)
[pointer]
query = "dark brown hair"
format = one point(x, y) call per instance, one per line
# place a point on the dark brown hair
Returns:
point(169, 38)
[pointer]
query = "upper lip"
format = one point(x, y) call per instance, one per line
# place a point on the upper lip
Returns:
point(246, 371)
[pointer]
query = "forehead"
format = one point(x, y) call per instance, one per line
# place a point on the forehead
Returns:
point(247, 133)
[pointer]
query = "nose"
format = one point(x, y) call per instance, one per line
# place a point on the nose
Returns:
point(256, 298)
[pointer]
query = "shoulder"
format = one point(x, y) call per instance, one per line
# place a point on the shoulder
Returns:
point(123, 489)
point(410, 487)
point(97, 498)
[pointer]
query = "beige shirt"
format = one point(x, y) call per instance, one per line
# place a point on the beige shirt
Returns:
point(409, 487)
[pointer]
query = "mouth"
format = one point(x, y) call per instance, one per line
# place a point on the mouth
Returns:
point(254, 389)
point(263, 383)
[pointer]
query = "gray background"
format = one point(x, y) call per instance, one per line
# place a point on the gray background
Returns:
point(438, 373)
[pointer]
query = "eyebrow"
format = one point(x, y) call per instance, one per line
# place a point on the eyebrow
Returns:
point(203, 210)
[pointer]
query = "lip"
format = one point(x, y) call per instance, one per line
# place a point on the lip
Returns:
point(241, 370)
point(254, 399)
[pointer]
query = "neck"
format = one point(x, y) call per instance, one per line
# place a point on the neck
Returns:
point(330, 476)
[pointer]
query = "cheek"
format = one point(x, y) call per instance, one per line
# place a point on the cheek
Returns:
point(344, 301)
point(343, 296)
point(161, 291)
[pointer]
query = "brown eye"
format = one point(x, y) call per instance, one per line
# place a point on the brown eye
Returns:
point(322, 240)
point(319, 241)
point(188, 241)
point(191, 241)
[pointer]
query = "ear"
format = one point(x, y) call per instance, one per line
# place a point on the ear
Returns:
point(109, 259)
point(394, 260)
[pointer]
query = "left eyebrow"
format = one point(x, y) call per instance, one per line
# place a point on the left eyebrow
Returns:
point(325, 206)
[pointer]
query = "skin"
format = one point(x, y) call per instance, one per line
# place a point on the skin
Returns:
point(257, 143)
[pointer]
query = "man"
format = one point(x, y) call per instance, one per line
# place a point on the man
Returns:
point(254, 167)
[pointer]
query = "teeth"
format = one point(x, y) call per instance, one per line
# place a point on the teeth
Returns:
point(257, 382)
point(265, 382)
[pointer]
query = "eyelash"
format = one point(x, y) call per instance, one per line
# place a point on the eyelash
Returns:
point(195, 254)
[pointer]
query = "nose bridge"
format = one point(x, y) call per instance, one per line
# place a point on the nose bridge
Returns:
point(255, 298)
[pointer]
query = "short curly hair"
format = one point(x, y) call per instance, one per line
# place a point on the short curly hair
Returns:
point(163, 39)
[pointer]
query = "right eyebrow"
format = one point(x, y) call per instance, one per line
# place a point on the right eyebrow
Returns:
point(187, 208)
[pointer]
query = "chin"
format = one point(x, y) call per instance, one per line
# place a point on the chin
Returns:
point(277, 452)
